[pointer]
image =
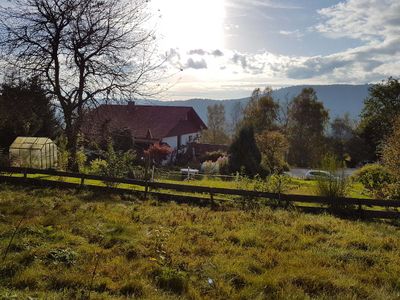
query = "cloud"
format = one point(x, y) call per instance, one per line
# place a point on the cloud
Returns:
point(240, 59)
point(198, 52)
point(262, 3)
point(295, 33)
point(375, 23)
point(249, 63)
point(366, 20)
point(196, 64)
point(217, 52)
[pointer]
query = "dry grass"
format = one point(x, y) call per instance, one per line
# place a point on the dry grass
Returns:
point(166, 251)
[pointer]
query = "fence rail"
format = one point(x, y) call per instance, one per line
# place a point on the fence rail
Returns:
point(349, 206)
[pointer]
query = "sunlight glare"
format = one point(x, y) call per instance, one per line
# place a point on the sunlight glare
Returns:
point(191, 24)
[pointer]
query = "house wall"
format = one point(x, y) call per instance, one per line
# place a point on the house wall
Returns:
point(185, 139)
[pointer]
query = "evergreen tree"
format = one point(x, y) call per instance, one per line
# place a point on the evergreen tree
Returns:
point(244, 155)
point(25, 110)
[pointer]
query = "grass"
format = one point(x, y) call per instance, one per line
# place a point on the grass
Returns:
point(296, 186)
point(71, 244)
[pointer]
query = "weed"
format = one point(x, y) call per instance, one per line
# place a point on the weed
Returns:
point(66, 257)
point(171, 280)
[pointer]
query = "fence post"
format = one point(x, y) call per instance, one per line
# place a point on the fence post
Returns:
point(82, 180)
point(146, 189)
point(25, 173)
point(360, 210)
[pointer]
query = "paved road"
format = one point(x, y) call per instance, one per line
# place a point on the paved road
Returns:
point(300, 173)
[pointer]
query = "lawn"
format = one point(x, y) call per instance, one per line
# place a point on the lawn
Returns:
point(76, 245)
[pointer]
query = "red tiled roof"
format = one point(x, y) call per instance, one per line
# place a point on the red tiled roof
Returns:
point(145, 120)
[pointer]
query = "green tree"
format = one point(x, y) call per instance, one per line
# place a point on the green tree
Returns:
point(307, 121)
point(262, 111)
point(25, 110)
point(244, 155)
point(216, 132)
point(380, 109)
point(391, 151)
point(341, 134)
point(273, 146)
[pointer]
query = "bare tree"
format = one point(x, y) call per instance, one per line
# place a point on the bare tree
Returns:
point(86, 51)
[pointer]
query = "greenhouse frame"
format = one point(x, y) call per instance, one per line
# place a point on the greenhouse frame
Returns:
point(33, 152)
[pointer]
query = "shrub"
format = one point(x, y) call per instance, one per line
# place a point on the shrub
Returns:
point(278, 183)
point(209, 167)
point(374, 177)
point(96, 166)
point(332, 186)
point(220, 166)
point(223, 163)
point(115, 165)
point(212, 156)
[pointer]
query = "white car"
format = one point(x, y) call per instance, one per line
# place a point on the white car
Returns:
point(318, 174)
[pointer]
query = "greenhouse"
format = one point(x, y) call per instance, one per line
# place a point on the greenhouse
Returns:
point(33, 152)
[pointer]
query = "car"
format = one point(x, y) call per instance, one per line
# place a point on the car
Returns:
point(318, 174)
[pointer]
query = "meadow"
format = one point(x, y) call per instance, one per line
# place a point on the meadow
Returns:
point(62, 244)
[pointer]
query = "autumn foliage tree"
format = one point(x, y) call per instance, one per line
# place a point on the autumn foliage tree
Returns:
point(157, 153)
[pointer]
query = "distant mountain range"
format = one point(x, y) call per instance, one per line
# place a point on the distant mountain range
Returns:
point(338, 99)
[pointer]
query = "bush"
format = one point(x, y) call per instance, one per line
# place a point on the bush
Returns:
point(97, 166)
point(118, 165)
point(212, 156)
point(220, 166)
point(374, 177)
point(209, 167)
point(332, 186)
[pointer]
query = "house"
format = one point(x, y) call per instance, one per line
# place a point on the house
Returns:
point(173, 125)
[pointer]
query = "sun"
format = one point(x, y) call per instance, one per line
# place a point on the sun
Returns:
point(190, 24)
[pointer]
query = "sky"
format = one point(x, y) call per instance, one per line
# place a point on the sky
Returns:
point(223, 49)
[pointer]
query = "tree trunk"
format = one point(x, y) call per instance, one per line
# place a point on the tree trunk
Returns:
point(72, 147)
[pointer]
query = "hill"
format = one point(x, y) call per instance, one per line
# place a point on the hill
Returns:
point(72, 244)
point(339, 99)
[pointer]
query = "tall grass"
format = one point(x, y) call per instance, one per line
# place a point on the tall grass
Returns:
point(155, 250)
point(333, 186)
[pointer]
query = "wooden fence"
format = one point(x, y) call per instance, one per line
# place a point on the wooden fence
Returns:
point(201, 195)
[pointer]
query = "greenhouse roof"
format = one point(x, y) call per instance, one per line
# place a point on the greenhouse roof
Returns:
point(30, 143)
